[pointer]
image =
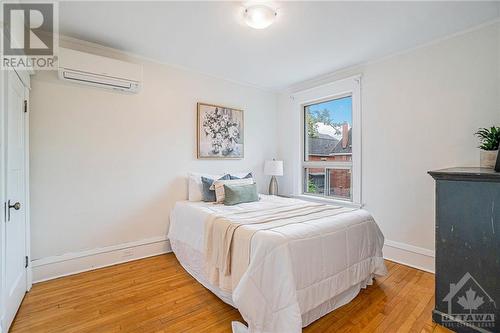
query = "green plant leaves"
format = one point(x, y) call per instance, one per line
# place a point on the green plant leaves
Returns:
point(489, 138)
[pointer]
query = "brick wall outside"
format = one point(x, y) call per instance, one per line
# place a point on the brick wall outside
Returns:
point(340, 179)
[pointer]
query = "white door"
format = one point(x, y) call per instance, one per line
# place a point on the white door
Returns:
point(15, 222)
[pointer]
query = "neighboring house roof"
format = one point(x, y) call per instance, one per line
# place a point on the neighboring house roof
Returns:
point(348, 149)
point(326, 145)
point(322, 145)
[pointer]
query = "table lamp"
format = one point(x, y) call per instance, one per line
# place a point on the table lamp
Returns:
point(273, 168)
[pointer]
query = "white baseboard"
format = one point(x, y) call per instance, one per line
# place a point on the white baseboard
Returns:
point(409, 255)
point(71, 263)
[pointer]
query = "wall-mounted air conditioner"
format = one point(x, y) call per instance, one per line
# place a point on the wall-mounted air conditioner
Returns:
point(79, 67)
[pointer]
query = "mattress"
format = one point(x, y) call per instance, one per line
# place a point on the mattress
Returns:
point(187, 236)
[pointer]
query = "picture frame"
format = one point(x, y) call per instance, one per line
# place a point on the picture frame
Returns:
point(220, 132)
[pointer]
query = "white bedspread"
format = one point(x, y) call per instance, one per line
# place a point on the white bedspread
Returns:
point(296, 268)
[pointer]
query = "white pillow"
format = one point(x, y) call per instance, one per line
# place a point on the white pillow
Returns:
point(195, 186)
point(218, 186)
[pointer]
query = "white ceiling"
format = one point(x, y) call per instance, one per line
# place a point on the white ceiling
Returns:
point(308, 38)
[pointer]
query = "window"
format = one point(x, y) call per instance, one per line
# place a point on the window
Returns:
point(330, 160)
point(328, 148)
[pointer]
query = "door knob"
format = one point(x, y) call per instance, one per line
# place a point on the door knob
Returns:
point(16, 206)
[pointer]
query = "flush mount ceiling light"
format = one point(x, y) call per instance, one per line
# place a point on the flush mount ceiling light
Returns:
point(259, 16)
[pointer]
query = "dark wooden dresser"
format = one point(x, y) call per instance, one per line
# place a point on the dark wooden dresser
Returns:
point(467, 249)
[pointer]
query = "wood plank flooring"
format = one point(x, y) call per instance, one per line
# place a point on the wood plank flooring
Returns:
point(157, 295)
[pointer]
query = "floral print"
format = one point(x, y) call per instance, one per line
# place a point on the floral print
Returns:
point(224, 132)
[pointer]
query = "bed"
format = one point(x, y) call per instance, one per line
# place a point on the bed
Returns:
point(286, 263)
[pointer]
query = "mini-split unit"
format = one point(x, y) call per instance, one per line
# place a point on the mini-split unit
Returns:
point(80, 67)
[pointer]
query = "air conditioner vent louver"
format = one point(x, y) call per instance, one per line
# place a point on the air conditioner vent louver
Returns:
point(89, 69)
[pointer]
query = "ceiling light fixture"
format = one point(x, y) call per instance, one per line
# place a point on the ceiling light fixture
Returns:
point(259, 16)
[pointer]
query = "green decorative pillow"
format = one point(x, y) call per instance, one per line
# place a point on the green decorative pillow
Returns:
point(236, 194)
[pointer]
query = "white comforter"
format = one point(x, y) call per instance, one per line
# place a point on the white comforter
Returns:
point(297, 268)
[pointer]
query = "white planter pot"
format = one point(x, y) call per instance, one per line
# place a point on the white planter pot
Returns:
point(488, 158)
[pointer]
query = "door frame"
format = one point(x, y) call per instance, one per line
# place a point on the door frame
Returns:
point(3, 110)
point(24, 77)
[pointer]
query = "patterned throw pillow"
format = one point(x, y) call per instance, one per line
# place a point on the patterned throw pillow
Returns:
point(208, 194)
point(218, 186)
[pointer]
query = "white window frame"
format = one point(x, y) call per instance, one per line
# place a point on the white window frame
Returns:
point(350, 86)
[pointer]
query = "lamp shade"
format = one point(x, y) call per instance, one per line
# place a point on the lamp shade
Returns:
point(273, 168)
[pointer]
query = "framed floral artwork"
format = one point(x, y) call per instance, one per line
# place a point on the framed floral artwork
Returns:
point(220, 132)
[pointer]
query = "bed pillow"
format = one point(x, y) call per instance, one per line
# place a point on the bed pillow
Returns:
point(241, 175)
point(218, 186)
point(236, 194)
point(195, 186)
point(208, 194)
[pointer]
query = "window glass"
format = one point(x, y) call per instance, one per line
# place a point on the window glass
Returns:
point(328, 148)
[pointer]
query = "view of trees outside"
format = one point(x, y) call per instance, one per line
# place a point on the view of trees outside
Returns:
point(315, 118)
point(328, 139)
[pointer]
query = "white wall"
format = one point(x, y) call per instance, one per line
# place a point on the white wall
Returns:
point(419, 112)
point(107, 167)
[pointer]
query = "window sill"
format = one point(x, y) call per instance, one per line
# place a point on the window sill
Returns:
point(327, 200)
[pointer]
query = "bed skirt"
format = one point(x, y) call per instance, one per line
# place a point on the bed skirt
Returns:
point(193, 260)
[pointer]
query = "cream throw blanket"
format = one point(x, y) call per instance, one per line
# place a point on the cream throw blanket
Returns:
point(228, 236)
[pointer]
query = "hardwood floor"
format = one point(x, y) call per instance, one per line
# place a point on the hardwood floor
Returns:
point(157, 295)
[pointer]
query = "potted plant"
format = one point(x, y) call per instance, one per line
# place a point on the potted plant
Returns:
point(489, 139)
